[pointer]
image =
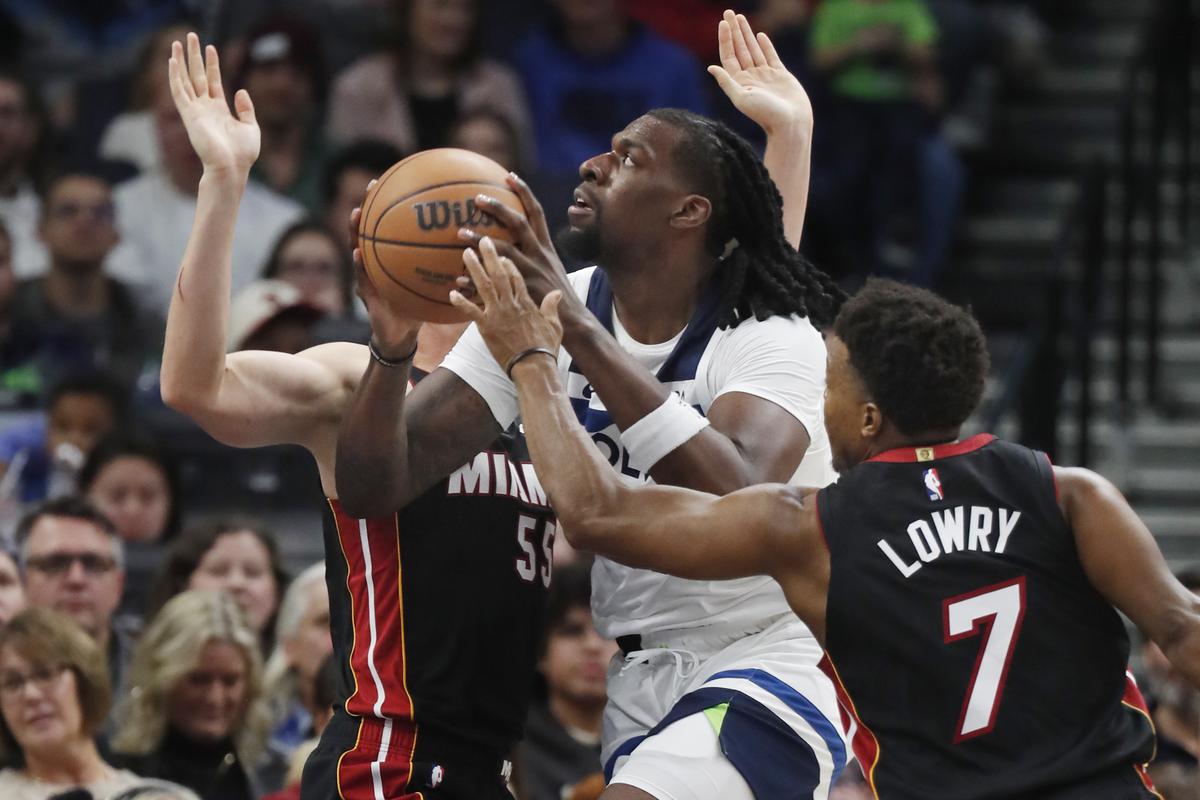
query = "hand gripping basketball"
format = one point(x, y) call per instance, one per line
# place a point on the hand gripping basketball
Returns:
point(531, 251)
point(510, 323)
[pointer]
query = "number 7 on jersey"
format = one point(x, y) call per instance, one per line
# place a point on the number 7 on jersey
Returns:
point(995, 612)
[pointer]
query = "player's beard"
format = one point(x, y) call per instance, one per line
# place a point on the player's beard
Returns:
point(581, 245)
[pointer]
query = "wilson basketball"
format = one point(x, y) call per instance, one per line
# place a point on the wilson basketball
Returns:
point(408, 232)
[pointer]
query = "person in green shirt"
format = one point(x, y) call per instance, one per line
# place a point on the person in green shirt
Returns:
point(880, 60)
point(877, 50)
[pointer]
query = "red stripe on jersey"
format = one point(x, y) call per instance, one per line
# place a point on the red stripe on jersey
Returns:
point(864, 743)
point(371, 549)
point(379, 766)
point(911, 455)
point(1132, 698)
point(1144, 776)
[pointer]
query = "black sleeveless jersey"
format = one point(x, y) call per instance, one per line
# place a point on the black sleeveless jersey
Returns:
point(436, 611)
point(972, 655)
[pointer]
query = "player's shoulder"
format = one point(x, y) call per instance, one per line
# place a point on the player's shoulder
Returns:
point(790, 332)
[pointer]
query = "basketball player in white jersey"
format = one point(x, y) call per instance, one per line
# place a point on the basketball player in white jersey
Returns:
point(692, 358)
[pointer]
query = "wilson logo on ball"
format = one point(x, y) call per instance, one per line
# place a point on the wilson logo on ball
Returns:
point(439, 214)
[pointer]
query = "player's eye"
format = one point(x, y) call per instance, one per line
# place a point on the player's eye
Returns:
point(627, 160)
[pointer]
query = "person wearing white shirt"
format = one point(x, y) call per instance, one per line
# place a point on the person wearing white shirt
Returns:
point(156, 210)
point(20, 206)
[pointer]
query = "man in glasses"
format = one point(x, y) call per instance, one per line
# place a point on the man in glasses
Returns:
point(76, 316)
point(74, 563)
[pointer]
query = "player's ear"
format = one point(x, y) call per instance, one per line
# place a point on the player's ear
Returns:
point(693, 212)
point(872, 420)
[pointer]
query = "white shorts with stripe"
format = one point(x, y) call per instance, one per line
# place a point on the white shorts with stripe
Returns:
point(772, 727)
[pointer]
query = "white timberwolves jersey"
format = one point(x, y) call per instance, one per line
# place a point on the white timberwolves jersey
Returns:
point(781, 359)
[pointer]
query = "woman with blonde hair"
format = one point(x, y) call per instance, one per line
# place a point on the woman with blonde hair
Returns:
point(54, 697)
point(194, 713)
point(302, 643)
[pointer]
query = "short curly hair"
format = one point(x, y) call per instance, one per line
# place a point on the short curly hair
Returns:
point(922, 359)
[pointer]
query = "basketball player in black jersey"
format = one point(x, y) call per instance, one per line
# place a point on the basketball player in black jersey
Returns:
point(433, 684)
point(964, 589)
point(435, 608)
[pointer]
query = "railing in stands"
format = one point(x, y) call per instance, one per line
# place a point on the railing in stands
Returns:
point(1155, 112)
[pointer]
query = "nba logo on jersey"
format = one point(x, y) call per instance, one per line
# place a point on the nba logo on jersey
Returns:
point(933, 485)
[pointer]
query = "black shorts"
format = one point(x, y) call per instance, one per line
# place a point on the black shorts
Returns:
point(372, 759)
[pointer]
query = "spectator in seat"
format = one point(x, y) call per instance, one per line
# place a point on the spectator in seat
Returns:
point(235, 556)
point(54, 699)
point(302, 644)
point(133, 482)
point(12, 589)
point(311, 258)
point(590, 71)
point(45, 454)
point(880, 59)
point(411, 95)
point(73, 562)
point(489, 134)
point(272, 315)
point(131, 136)
point(194, 713)
point(76, 316)
point(325, 695)
point(562, 737)
point(21, 129)
point(346, 179)
point(155, 212)
point(284, 71)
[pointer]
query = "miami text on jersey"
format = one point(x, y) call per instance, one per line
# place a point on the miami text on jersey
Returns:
point(492, 472)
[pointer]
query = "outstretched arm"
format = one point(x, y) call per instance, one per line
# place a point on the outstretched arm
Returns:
point(1123, 562)
point(758, 84)
point(245, 399)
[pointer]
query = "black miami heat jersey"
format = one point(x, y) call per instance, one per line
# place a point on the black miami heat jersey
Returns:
point(435, 611)
point(972, 656)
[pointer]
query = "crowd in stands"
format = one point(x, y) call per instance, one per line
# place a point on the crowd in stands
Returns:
point(153, 643)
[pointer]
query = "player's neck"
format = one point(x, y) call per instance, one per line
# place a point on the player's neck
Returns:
point(653, 304)
point(893, 439)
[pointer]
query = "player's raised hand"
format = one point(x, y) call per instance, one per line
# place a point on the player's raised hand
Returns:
point(223, 141)
point(506, 316)
point(755, 80)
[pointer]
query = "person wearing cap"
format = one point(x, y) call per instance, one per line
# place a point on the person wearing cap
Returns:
point(284, 71)
point(271, 315)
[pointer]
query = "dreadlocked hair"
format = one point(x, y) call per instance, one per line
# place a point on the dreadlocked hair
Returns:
point(764, 276)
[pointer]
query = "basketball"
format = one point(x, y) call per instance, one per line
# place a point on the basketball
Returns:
point(408, 232)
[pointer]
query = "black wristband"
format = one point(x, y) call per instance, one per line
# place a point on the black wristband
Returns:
point(512, 362)
point(379, 359)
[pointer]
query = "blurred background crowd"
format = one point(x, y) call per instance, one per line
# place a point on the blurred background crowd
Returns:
point(163, 611)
